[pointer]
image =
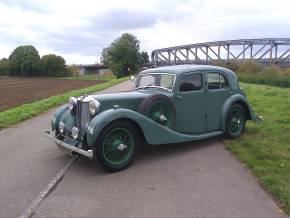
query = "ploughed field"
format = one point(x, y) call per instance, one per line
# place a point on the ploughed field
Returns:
point(15, 91)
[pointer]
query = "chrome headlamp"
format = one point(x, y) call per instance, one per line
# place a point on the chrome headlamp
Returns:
point(61, 126)
point(75, 132)
point(53, 119)
point(94, 107)
point(72, 101)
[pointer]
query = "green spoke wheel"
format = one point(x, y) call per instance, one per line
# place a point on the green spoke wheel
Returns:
point(118, 145)
point(160, 109)
point(115, 148)
point(235, 121)
point(161, 113)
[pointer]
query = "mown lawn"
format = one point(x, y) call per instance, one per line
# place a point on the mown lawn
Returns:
point(265, 146)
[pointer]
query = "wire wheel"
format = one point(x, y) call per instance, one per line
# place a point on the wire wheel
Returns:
point(118, 145)
point(235, 121)
point(160, 109)
point(115, 147)
point(161, 113)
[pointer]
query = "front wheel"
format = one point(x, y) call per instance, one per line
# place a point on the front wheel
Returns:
point(235, 122)
point(116, 146)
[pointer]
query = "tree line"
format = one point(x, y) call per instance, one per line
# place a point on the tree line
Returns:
point(26, 61)
point(122, 56)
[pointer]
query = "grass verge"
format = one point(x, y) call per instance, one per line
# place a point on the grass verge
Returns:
point(265, 146)
point(91, 77)
point(26, 111)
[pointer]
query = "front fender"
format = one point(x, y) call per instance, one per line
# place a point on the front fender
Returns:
point(153, 132)
point(233, 99)
point(57, 116)
point(105, 117)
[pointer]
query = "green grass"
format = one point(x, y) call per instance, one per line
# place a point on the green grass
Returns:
point(26, 111)
point(265, 146)
point(91, 77)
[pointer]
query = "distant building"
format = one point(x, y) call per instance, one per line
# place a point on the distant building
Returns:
point(92, 69)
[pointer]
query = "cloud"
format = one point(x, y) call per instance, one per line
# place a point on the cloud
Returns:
point(124, 19)
point(31, 5)
point(78, 30)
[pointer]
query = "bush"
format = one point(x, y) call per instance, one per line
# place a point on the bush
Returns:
point(234, 65)
point(267, 77)
point(4, 67)
point(253, 72)
point(54, 66)
point(231, 64)
point(250, 66)
point(24, 61)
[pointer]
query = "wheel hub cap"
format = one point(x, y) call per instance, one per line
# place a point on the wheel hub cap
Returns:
point(162, 118)
point(160, 112)
point(122, 147)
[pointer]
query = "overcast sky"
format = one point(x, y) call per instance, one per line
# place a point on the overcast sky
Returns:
point(78, 30)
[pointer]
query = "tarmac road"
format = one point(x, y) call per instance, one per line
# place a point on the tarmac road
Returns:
point(200, 179)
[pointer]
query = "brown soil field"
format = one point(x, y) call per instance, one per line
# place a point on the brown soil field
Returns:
point(15, 91)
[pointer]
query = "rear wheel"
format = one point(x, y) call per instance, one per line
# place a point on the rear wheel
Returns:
point(116, 146)
point(235, 121)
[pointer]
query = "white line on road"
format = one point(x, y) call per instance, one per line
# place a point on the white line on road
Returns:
point(30, 210)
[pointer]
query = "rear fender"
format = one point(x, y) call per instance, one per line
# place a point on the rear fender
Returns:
point(237, 98)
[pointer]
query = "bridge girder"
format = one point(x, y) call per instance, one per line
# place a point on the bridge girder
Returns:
point(267, 51)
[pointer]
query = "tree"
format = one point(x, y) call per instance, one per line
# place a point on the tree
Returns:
point(53, 65)
point(24, 61)
point(4, 67)
point(144, 57)
point(123, 55)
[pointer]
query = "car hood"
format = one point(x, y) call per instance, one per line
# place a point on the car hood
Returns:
point(129, 100)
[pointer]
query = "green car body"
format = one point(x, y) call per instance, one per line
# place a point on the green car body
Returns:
point(192, 110)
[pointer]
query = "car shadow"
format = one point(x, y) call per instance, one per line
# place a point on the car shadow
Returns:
point(148, 153)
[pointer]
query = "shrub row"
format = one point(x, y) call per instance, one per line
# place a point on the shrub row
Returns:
point(25, 61)
point(253, 72)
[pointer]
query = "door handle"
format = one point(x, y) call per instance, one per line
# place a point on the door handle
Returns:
point(179, 97)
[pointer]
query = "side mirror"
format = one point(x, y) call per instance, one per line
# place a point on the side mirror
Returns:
point(132, 78)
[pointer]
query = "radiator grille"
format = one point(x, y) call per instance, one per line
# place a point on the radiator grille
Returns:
point(83, 116)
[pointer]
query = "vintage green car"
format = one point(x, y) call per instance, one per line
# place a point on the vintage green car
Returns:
point(169, 104)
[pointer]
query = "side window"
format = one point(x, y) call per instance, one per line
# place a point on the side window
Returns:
point(190, 82)
point(224, 82)
point(216, 81)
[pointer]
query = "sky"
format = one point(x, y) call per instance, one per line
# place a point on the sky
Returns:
point(79, 30)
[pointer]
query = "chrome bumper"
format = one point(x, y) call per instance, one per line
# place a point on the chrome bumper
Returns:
point(63, 145)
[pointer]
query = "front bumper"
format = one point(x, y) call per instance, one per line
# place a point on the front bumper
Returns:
point(68, 147)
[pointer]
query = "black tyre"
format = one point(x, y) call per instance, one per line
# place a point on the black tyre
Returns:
point(159, 108)
point(115, 148)
point(235, 122)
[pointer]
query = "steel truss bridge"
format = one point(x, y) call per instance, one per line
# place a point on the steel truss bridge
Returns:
point(267, 51)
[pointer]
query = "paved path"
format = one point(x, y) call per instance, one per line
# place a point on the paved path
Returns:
point(200, 179)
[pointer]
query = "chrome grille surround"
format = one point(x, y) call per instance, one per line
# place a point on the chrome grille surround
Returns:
point(83, 116)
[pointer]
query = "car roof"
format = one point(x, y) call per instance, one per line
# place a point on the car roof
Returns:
point(179, 69)
point(185, 68)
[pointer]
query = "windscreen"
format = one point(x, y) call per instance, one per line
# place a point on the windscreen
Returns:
point(156, 80)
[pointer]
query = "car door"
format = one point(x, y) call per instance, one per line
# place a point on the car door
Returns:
point(218, 91)
point(190, 103)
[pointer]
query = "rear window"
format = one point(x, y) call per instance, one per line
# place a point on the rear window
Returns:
point(216, 81)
